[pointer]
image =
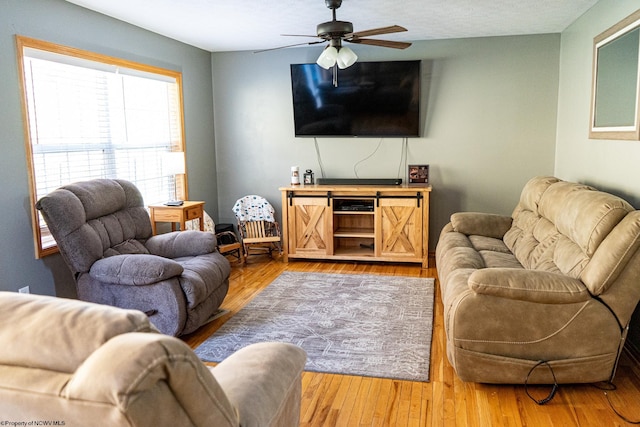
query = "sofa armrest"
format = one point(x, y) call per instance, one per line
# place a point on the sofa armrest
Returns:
point(528, 285)
point(481, 224)
point(182, 243)
point(263, 382)
point(132, 370)
point(136, 269)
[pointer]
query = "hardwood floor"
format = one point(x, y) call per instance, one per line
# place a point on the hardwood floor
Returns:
point(340, 400)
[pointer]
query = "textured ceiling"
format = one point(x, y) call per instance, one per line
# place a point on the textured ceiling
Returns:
point(223, 25)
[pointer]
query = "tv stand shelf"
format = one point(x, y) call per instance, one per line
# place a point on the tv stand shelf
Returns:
point(353, 232)
point(388, 223)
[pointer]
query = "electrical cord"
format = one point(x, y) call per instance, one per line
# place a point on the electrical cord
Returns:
point(609, 386)
point(553, 391)
point(403, 155)
point(605, 387)
point(355, 166)
point(319, 157)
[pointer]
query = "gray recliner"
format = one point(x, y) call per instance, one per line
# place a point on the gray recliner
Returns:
point(103, 232)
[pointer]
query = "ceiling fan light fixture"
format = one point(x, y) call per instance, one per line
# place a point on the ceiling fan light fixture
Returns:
point(346, 58)
point(335, 32)
point(328, 57)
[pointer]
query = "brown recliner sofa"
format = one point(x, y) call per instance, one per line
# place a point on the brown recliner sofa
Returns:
point(554, 285)
point(74, 363)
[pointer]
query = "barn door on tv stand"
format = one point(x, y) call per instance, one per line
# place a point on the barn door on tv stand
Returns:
point(310, 225)
point(399, 229)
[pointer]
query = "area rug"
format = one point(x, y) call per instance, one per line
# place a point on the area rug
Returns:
point(353, 324)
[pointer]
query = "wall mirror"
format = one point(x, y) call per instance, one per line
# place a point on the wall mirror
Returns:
point(616, 81)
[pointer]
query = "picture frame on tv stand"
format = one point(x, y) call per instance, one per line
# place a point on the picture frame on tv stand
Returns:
point(418, 174)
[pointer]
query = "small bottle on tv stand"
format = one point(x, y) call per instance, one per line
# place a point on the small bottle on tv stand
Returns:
point(295, 175)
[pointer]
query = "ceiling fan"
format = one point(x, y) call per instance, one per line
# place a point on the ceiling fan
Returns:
point(335, 32)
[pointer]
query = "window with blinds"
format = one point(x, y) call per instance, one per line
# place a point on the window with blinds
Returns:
point(92, 116)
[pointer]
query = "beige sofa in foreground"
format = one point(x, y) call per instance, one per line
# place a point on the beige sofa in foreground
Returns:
point(557, 281)
point(81, 364)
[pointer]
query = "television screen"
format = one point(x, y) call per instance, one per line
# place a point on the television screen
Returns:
point(370, 99)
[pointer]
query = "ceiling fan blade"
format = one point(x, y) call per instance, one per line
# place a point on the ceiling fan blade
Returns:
point(289, 45)
point(382, 43)
point(376, 31)
point(298, 35)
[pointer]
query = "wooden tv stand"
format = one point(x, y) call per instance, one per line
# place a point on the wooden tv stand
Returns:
point(358, 223)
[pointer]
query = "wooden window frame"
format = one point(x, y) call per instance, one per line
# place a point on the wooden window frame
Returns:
point(22, 43)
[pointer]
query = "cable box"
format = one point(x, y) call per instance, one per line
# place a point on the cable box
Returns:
point(353, 205)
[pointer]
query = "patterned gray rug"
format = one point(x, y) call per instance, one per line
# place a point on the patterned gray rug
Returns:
point(353, 324)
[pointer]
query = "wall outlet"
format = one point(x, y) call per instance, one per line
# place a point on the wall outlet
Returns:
point(24, 290)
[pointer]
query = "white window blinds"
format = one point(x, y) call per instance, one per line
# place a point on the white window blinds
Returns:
point(90, 119)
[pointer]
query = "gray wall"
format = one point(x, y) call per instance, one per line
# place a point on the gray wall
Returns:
point(61, 22)
point(489, 123)
point(609, 165)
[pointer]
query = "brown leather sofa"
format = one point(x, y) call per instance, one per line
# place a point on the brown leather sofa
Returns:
point(73, 363)
point(555, 283)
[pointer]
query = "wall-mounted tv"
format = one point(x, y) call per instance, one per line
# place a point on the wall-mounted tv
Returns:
point(379, 99)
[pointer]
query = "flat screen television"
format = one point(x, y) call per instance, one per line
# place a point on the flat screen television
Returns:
point(377, 99)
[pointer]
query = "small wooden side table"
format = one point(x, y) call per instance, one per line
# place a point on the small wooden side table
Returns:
point(177, 214)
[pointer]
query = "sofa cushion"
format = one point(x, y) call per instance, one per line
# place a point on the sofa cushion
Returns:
point(528, 285)
point(613, 255)
point(140, 269)
point(180, 244)
point(477, 223)
point(101, 216)
point(560, 227)
point(493, 259)
point(202, 276)
point(483, 243)
point(118, 230)
point(68, 341)
point(533, 191)
point(583, 214)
